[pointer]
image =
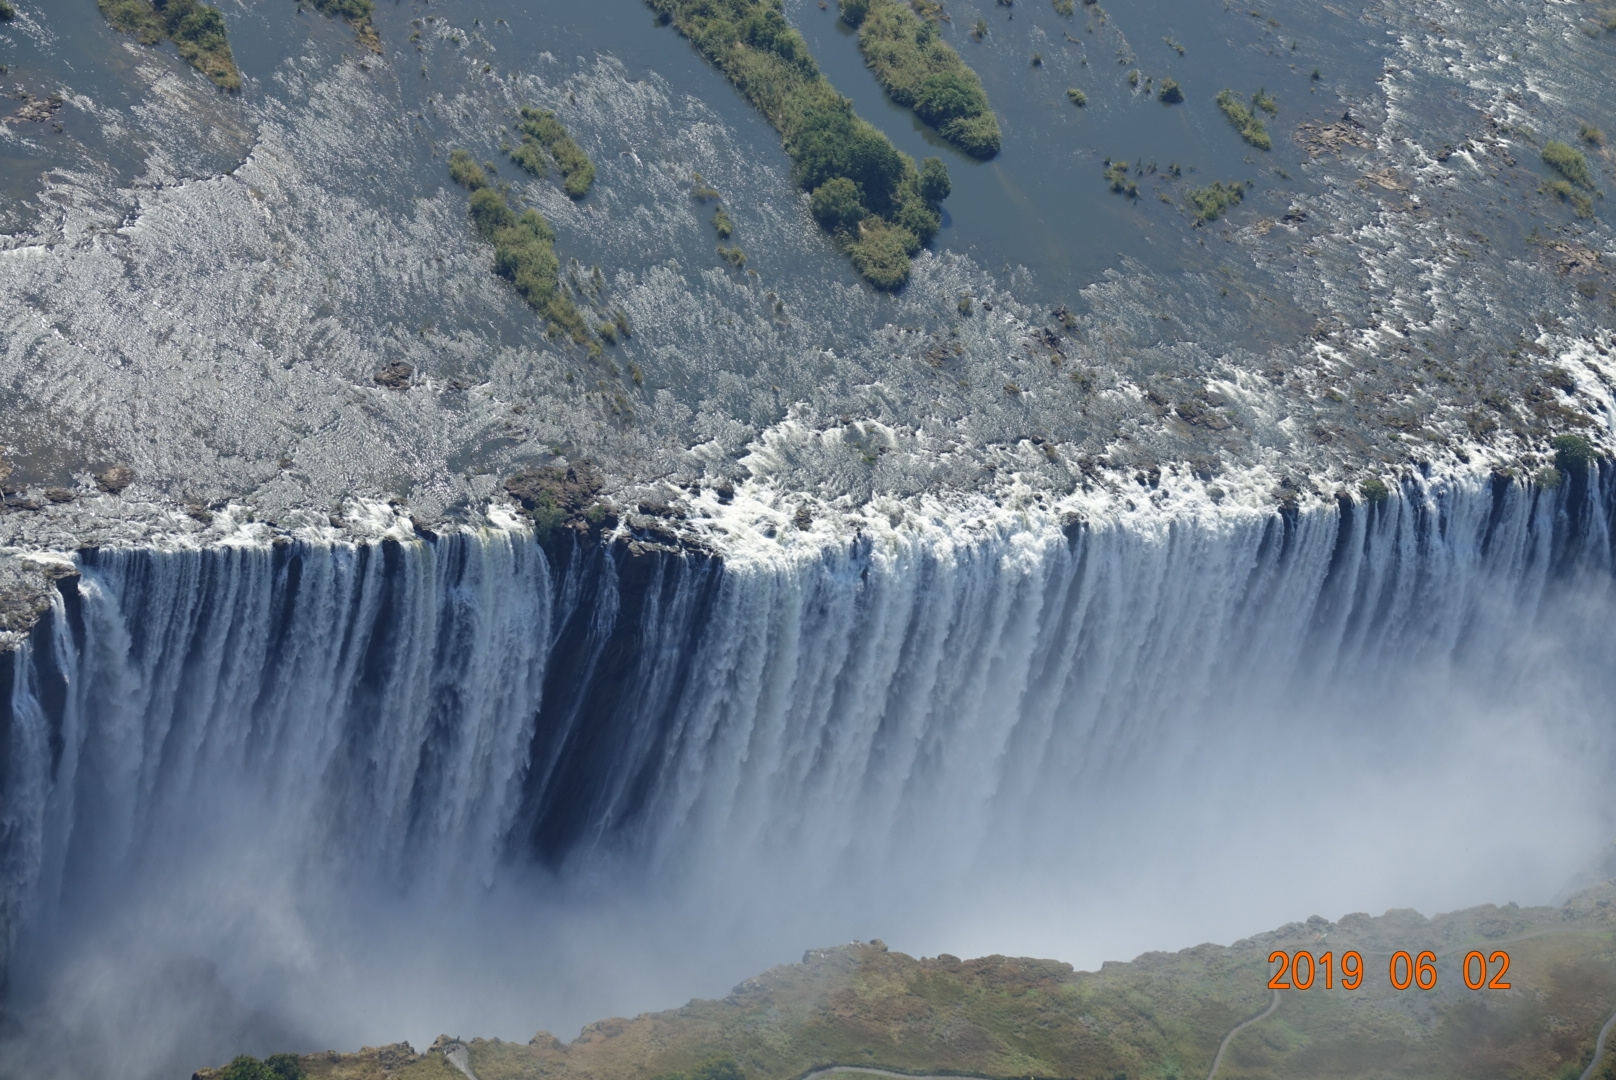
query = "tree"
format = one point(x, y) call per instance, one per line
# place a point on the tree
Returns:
point(837, 204)
point(935, 185)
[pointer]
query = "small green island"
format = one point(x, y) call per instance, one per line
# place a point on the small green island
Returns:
point(196, 30)
point(879, 208)
point(921, 72)
point(1577, 180)
point(358, 14)
point(545, 142)
point(1245, 121)
point(524, 247)
point(1163, 1016)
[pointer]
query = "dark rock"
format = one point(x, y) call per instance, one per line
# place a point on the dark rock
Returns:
point(571, 489)
point(60, 495)
point(726, 493)
point(114, 479)
point(395, 376)
point(659, 509)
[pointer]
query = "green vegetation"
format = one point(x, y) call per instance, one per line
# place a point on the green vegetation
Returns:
point(1065, 7)
point(545, 141)
point(1211, 202)
point(196, 29)
point(722, 225)
point(524, 247)
point(751, 43)
point(921, 72)
point(358, 13)
point(1245, 121)
point(1374, 490)
point(1162, 1015)
point(980, 30)
point(1573, 453)
point(1568, 161)
point(1077, 97)
point(275, 1067)
point(1581, 204)
point(718, 1068)
point(1263, 100)
point(1170, 92)
point(7, 12)
point(1117, 173)
point(1591, 135)
point(1175, 46)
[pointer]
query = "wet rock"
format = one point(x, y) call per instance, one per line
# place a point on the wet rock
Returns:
point(35, 110)
point(572, 488)
point(395, 376)
point(114, 479)
point(60, 495)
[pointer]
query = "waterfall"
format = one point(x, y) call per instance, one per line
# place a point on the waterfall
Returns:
point(912, 730)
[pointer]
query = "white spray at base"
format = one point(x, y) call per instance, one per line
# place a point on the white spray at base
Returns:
point(262, 798)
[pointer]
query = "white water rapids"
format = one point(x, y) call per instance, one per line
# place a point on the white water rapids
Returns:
point(260, 798)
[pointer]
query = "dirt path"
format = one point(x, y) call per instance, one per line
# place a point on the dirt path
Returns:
point(1237, 1029)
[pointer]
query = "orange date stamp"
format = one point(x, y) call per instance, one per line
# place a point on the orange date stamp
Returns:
point(1302, 970)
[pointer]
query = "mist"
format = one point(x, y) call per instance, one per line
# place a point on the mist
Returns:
point(349, 805)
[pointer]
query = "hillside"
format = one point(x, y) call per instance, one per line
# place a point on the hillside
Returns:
point(1160, 1017)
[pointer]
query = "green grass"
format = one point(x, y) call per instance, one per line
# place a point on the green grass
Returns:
point(197, 31)
point(545, 141)
point(1591, 135)
point(1210, 202)
point(1065, 7)
point(1568, 161)
point(769, 63)
point(1581, 204)
point(524, 247)
point(1263, 100)
point(921, 72)
point(358, 13)
point(1245, 121)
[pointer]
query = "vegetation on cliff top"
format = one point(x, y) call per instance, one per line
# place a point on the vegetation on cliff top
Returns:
point(358, 13)
point(768, 61)
point(196, 29)
point(1161, 1016)
point(545, 141)
point(921, 72)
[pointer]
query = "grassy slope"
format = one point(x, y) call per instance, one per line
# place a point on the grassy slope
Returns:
point(196, 29)
point(921, 72)
point(1158, 1017)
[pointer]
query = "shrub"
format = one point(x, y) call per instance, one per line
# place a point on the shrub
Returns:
point(1211, 202)
point(1117, 173)
point(1065, 7)
point(1569, 162)
point(1170, 92)
point(1077, 97)
point(1591, 135)
point(544, 134)
point(1374, 490)
point(1263, 100)
point(465, 171)
point(1573, 453)
point(935, 186)
point(7, 12)
point(1251, 129)
point(274, 1067)
point(722, 224)
point(854, 12)
point(357, 12)
point(1548, 477)
point(882, 253)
